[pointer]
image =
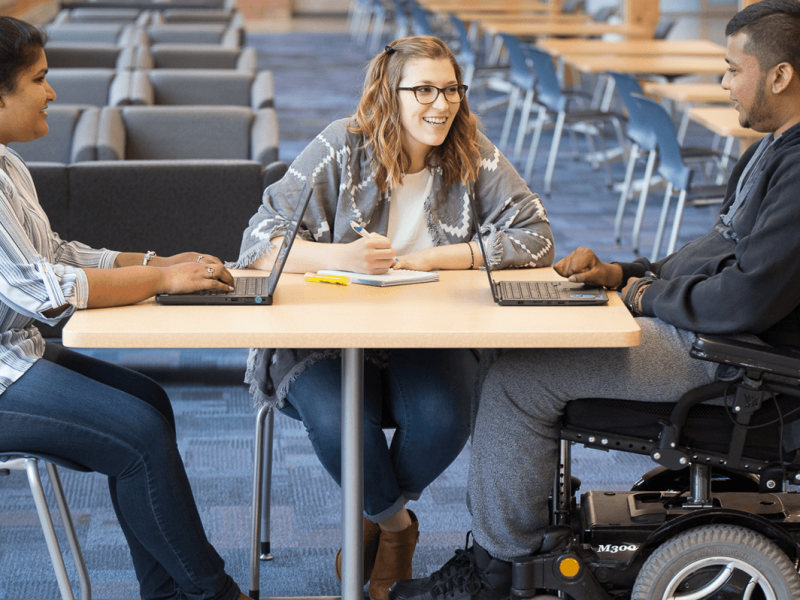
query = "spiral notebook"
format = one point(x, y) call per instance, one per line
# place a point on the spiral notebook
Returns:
point(393, 277)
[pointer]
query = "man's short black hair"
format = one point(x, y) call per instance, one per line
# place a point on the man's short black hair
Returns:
point(773, 32)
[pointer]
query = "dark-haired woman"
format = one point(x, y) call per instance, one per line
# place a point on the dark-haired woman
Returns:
point(402, 169)
point(55, 401)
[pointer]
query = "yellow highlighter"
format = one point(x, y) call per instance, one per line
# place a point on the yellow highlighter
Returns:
point(340, 279)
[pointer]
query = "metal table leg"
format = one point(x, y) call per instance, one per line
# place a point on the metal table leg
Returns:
point(352, 473)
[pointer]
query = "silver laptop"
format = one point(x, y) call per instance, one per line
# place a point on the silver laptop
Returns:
point(537, 293)
point(250, 290)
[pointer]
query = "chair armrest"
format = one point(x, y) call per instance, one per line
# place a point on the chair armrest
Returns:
point(84, 138)
point(274, 172)
point(264, 136)
point(120, 92)
point(141, 59)
point(232, 38)
point(111, 135)
point(247, 60)
point(744, 354)
point(144, 18)
point(141, 89)
point(262, 92)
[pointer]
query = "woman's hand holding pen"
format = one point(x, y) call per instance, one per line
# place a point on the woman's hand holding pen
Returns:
point(372, 253)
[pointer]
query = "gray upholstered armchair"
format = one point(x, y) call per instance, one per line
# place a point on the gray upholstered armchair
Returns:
point(219, 87)
point(187, 132)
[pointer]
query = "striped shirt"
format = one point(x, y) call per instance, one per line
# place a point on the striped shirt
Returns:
point(38, 271)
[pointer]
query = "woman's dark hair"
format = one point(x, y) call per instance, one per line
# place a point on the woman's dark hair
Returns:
point(20, 43)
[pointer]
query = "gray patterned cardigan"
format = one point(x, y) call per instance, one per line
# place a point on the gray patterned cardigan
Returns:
point(513, 222)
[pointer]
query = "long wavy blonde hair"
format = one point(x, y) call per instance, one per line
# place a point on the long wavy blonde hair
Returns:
point(378, 117)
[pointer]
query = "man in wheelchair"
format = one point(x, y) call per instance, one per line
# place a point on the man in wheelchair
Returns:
point(726, 528)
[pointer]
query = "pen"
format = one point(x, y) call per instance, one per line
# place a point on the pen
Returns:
point(359, 229)
point(339, 279)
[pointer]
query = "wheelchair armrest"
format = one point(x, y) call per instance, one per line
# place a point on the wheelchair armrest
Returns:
point(744, 354)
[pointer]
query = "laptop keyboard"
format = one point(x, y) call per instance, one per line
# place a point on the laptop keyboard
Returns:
point(527, 290)
point(244, 286)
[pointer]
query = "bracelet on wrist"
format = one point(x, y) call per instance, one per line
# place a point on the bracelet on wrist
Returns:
point(148, 256)
point(471, 256)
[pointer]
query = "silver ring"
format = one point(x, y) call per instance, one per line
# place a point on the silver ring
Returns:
point(200, 257)
point(210, 271)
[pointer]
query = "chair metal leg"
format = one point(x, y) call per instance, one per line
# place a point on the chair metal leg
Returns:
point(69, 529)
point(637, 224)
point(551, 160)
point(626, 190)
point(32, 469)
point(266, 500)
point(513, 98)
point(523, 123)
point(676, 222)
point(537, 136)
point(662, 222)
point(255, 509)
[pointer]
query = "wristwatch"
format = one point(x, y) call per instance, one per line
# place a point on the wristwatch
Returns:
point(148, 256)
point(633, 299)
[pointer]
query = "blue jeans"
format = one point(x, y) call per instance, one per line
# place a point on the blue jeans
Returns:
point(425, 394)
point(120, 423)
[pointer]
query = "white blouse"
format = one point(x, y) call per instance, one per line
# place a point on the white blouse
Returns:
point(408, 226)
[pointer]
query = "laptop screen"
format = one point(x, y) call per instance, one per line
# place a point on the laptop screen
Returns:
point(288, 239)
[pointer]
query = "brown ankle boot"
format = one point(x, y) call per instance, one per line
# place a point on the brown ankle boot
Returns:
point(395, 552)
point(372, 534)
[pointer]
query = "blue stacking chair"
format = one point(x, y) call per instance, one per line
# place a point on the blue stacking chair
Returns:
point(475, 75)
point(421, 24)
point(522, 79)
point(553, 101)
point(674, 170)
point(643, 137)
point(643, 140)
point(29, 462)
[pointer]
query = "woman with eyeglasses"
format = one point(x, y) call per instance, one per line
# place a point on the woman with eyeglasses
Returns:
point(402, 168)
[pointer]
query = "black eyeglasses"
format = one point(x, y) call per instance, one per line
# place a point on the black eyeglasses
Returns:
point(427, 94)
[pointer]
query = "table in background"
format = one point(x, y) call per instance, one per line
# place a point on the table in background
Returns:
point(688, 94)
point(456, 312)
point(724, 121)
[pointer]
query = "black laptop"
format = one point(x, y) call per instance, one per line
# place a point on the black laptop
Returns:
point(250, 290)
point(538, 293)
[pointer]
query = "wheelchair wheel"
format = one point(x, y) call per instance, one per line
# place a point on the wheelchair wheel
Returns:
point(717, 561)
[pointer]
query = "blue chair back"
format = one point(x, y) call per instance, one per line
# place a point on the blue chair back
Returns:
point(422, 25)
point(466, 54)
point(639, 129)
point(401, 14)
point(521, 74)
point(548, 87)
point(671, 165)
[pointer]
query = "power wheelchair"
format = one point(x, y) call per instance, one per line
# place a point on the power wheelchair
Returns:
point(713, 521)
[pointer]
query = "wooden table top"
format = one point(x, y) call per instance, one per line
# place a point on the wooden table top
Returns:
point(556, 47)
point(493, 7)
point(537, 29)
point(653, 65)
point(456, 312)
point(502, 18)
point(688, 92)
point(723, 121)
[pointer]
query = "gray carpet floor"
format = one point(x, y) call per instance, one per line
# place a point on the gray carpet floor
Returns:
point(318, 79)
